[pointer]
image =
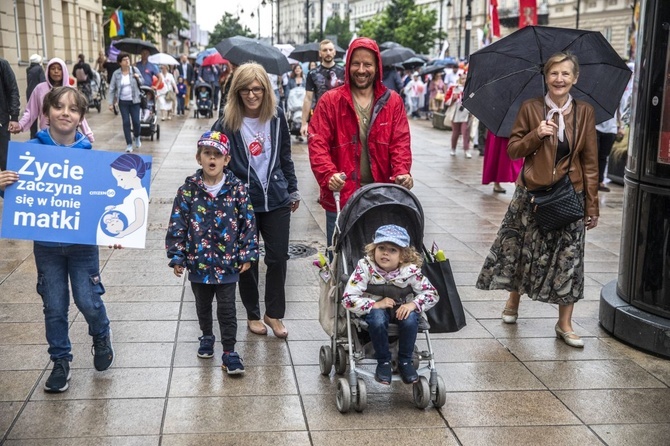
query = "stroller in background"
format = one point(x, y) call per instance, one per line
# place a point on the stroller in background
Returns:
point(294, 107)
point(95, 98)
point(369, 208)
point(203, 105)
point(148, 119)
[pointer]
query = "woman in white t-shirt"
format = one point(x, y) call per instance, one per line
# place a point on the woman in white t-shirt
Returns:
point(260, 149)
point(165, 100)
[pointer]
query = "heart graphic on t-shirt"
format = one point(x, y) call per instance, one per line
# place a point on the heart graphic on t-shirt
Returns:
point(255, 148)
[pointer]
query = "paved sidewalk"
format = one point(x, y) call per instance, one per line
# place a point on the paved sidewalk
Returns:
point(507, 385)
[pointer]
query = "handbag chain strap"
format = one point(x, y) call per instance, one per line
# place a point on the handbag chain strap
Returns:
point(572, 151)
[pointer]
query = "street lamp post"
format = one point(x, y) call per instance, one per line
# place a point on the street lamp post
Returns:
point(468, 28)
point(321, 24)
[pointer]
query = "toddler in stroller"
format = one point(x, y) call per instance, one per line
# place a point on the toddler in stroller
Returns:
point(148, 119)
point(376, 313)
point(203, 100)
point(294, 107)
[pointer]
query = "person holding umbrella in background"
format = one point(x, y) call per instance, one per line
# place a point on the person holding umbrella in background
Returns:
point(556, 135)
point(147, 69)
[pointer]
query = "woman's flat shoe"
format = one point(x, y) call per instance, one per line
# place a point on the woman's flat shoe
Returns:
point(569, 337)
point(257, 327)
point(499, 190)
point(277, 327)
point(509, 315)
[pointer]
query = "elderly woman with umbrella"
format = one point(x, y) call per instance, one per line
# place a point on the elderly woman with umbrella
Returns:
point(260, 149)
point(556, 136)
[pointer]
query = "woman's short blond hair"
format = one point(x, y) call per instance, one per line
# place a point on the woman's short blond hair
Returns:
point(244, 75)
point(408, 255)
point(560, 58)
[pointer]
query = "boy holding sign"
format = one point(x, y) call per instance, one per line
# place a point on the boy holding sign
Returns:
point(56, 262)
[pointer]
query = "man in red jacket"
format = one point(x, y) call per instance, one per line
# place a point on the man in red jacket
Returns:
point(359, 133)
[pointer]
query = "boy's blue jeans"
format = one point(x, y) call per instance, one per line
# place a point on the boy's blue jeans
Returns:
point(378, 323)
point(81, 264)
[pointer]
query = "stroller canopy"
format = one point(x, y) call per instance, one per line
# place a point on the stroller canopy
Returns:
point(203, 84)
point(375, 205)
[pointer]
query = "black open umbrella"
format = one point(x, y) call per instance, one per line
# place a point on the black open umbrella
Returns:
point(430, 69)
point(388, 45)
point(413, 63)
point(135, 46)
point(504, 74)
point(309, 52)
point(396, 55)
point(239, 50)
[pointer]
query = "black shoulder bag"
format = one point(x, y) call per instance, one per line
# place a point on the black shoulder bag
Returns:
point(557, 205)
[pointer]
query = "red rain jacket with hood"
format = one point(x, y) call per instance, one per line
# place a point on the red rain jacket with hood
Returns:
point(334, 143)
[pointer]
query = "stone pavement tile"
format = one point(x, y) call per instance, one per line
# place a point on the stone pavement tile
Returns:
point(606, 265)
point(589, 327)
point(24, 312)
point(155, 276)
point(592, 293)
point(527, 436)
point(89, 384)
point(470, 293)
point(103, 418)
point(305, 352)
point(213, 381)
point(658, 367)
point(311, 382)
point(514, 408)
point(473, 329)
point(468, 350)
point(305, 330)
point(527, 328)
point(16, 333)
point(302, 311)
point(487, 376)
point(252, 353)
point(605, 374)
point(140, 311)
point(157, 265)
point(129, 331)
point(242, 414)
point(88, 441)
point(618, 406)
point(23, 357)
point(302, 293)
point(527, 309)
point(189, 331)
point(375, 437)
point(466, 279)
point(553, 349)
point(8, 412)
point(15, 385)
point(126, 354)
point(391, 409)
point(145, 294)
point(239, 438)
point(634, 434)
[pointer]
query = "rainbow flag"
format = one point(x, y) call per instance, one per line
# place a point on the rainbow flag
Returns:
point(116, 27)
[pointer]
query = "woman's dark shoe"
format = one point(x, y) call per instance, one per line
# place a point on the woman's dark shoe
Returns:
point(603, 188)
point(383, 373)
point(499, 190)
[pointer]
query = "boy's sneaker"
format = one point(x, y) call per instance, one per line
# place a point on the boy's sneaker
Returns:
point(103, 353)
point(232, 363)
point(383, 373)
point(129, 148)
point(206, 349)
point(60, 375)
point(138, 143)
point(408, 372)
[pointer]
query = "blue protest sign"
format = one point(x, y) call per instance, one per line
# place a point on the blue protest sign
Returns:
point(67, 195)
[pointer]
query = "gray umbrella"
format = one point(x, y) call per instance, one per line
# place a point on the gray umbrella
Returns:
point(135, 46)
point(240, 50)
point(309, 52)
point(396, 55)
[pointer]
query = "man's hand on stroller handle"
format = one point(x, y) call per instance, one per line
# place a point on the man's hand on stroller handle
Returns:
point(336, 182)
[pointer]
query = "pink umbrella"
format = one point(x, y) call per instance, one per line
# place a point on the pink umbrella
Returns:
point(213, 59)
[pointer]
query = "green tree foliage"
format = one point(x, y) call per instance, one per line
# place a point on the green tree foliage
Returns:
point(229, 26)
point(405, 23)
point(335, 26)
point(145, 18)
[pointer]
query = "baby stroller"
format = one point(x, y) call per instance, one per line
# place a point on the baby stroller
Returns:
point(294, 106)
point(370, 207)
point(148, 119)
point(95, 98)
point(203, 100)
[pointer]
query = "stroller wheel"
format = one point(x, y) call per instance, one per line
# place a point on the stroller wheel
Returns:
point(158, 132)
point(362, 396)
point(343, 398)
point(440, 393)
point(421, 391)
point(340, 360)
point(325, 359)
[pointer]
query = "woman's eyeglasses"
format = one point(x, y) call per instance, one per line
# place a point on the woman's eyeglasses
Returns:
point(256, 91)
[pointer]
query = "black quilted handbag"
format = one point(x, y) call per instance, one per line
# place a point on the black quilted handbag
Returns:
point(559, 204)
point(556, 206)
